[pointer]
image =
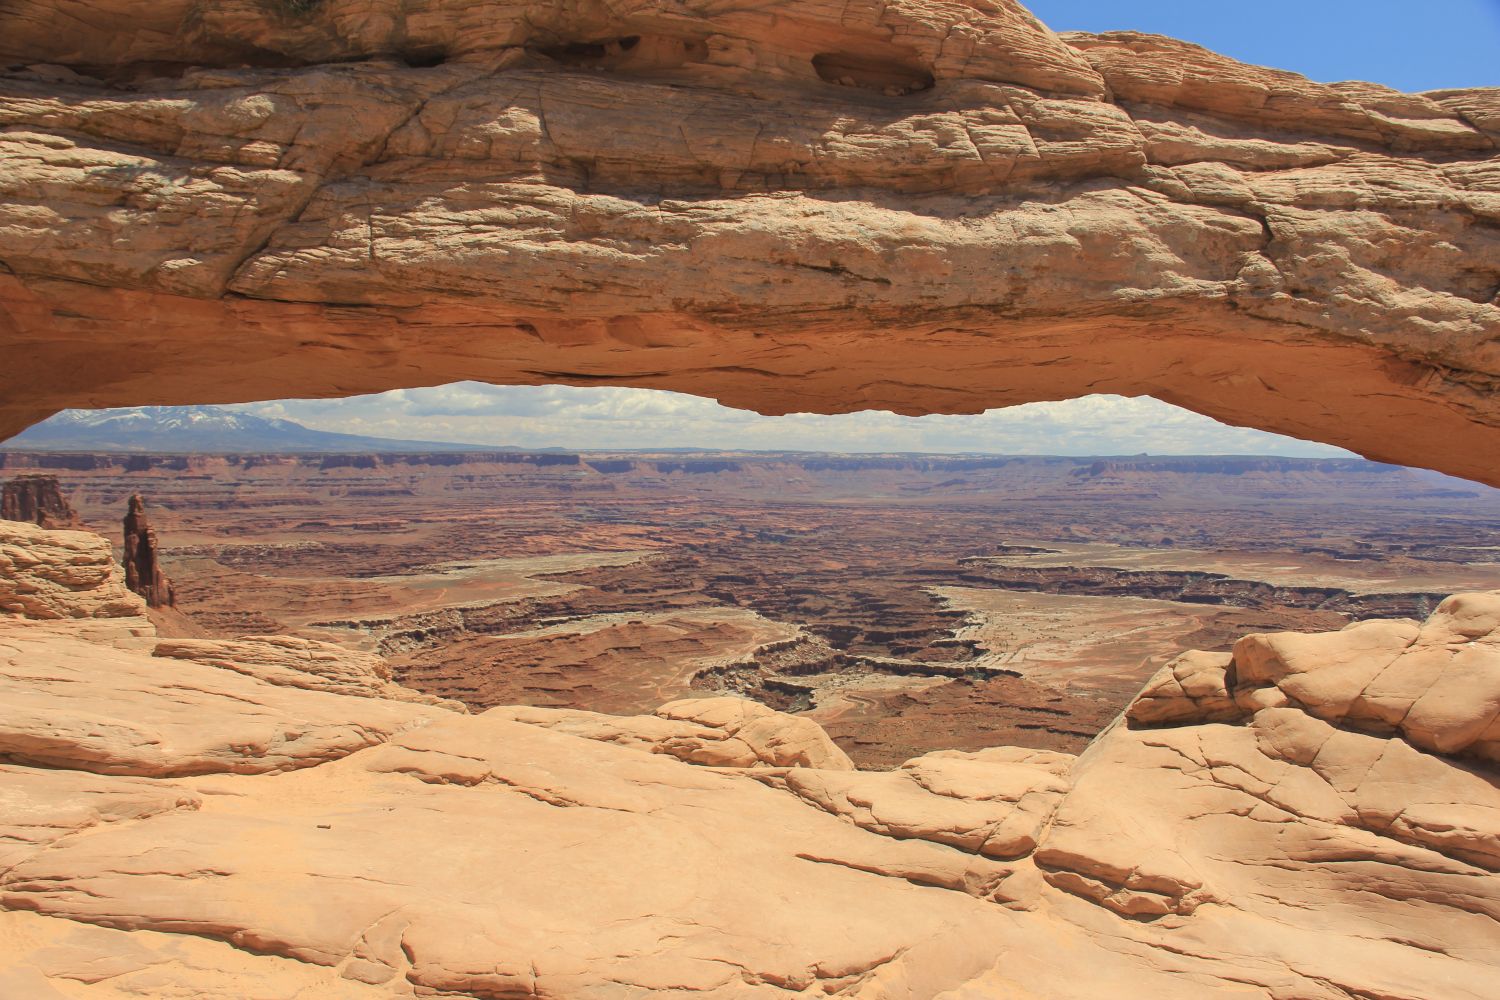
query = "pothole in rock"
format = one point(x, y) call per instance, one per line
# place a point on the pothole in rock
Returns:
point(894, 74)
point(631, 54)
point(424, 58)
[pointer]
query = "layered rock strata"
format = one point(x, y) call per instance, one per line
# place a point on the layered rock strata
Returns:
point(143, 572)
point(919, 205)
point(301, 663)
point(40, 500)
point(61, 575)
point(1296, 822)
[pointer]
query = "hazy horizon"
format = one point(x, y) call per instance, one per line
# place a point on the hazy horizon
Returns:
point(617, 418)
point(627, 419)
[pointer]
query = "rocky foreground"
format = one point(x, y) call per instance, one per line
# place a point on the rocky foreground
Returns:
point(1313, 816)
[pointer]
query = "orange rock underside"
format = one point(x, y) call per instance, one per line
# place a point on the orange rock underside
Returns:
point(914, 206)
point(1359, 397)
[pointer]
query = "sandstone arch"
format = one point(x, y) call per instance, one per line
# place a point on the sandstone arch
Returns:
point(918, 204)
point(922, 206)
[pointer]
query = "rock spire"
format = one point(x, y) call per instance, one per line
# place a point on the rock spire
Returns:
point(142, 570)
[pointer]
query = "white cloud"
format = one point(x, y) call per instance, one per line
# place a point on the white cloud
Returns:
point(606, 418)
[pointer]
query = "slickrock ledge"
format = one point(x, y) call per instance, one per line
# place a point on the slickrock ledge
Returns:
point(918, 205)
point(289, 661)
point(48, 574)
point(1292, 822)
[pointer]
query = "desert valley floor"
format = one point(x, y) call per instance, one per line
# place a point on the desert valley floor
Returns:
point(906, 603)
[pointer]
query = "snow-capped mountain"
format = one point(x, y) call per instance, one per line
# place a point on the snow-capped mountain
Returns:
point(197, 429)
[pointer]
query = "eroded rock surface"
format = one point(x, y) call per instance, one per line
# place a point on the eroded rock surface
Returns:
point(216, 829)
point(61, 574)
point(301, 663)
point(723, 732)
point(1437, 683)
point(919, 205)
point(71, 703)
point(994, 802)
point(40, 500)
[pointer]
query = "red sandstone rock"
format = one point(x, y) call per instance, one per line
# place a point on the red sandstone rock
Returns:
point(142, 571)
point(40, 500)
point(917, 205)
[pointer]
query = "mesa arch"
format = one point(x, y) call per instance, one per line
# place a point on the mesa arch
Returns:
point(918, 205)
point(913, 204)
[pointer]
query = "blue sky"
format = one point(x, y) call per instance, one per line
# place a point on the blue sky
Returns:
point(1432, 45)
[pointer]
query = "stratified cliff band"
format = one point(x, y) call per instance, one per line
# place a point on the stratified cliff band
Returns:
point(40, 500)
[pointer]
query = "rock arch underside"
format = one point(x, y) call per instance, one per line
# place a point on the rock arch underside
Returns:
point(915, 205)
point(918, 206)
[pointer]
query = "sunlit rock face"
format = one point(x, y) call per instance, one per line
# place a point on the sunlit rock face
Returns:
point(1312, 817)
point(923, 206)
point(60, 575)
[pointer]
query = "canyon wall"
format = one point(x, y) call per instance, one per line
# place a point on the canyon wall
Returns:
point(38, 499)
point(920, 206)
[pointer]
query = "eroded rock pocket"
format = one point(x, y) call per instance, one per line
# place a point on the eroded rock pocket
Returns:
point(894, 74)
point(633, 54)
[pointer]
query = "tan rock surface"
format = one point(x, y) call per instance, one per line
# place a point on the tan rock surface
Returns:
point(301, 663)
point(69, 703)
point(1437, 683)
point(670, 875)
point(47, 574)
point(721, 732)
point(993, 802)
point(1270, 856)
point(919, 205)
point(53, 959)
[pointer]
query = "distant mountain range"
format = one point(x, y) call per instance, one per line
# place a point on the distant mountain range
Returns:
point(176, 429)
point(208, 430)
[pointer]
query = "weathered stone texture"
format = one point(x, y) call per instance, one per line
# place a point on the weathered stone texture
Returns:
point(61, 575)
point(920, 205)
point(292, 841)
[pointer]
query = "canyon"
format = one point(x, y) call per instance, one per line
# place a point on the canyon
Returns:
point(599, 725)
point(906, 603)
point(304, 813)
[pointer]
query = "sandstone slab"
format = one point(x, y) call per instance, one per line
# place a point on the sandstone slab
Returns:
point(69, 703)
point(301, 663)
point(720, 732)
point(1271, 855)
point(47, 574)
